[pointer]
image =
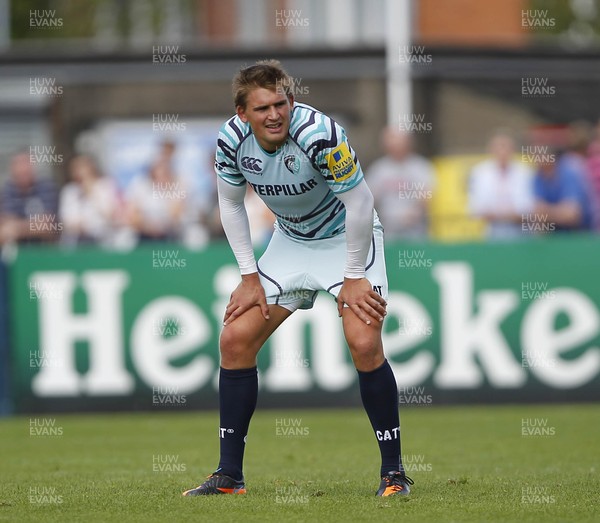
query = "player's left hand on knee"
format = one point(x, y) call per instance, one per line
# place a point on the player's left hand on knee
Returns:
point(249, 293)
point(359, 296)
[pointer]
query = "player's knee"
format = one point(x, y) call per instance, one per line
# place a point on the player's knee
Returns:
point(364, 348)
point(367, 360)
point(230, 341)
point(233, 344)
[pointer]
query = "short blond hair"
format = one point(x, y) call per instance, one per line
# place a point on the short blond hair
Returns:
point(268, 74)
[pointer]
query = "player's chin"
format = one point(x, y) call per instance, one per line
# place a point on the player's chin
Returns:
point(275, 135)
point(276, 140)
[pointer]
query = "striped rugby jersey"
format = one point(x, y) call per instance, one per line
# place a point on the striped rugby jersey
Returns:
point(298, 181)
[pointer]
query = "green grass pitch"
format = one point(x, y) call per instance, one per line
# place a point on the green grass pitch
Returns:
point(470, 464)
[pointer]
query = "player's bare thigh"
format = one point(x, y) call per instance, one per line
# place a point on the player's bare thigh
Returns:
point(364, 341)
point(241, 340)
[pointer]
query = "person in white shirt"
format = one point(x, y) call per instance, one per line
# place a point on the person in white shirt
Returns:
point(156, 204)
point(87, 204)
point(402, 184)
point(501, 189)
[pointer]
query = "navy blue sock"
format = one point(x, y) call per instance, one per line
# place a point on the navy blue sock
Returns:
point(379, 395)
point(238, 391)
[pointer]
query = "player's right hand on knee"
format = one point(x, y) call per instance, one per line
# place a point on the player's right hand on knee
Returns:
point(249, 293)
point(359, 296)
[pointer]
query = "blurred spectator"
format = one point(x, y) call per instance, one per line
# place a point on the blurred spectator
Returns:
point(197, 205)
point(500, 189)
point(87, 205)
point(402, 184)
point(562, 200)
point(167, 152)
point(578, 140)
point(156, 204)
point(28, 205)
point(593, 164)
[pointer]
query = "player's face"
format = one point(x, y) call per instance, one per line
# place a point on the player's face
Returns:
point(268, 113)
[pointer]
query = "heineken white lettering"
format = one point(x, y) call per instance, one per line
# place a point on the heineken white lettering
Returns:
point(467, 338)
point(170, 342)
point(152, 354)
point(101, 326)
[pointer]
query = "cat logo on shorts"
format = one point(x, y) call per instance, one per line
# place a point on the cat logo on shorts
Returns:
point(340, 162)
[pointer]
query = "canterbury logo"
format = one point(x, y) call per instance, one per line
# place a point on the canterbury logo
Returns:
point(251, 164)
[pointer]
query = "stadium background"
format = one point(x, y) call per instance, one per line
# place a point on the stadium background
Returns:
point(108, 349)
point(91, 327)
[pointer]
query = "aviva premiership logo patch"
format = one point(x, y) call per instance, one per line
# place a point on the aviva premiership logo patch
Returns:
point(340, 162)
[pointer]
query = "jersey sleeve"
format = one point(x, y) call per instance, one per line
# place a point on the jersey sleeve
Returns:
point(226, 168)
point(334, 157)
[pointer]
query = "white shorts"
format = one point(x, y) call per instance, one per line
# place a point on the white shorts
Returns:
point(292, 272)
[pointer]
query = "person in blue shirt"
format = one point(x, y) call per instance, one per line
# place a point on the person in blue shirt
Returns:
point(562, 200)
point(28, 204)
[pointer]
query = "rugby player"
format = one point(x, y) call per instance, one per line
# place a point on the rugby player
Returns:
point(327, 237)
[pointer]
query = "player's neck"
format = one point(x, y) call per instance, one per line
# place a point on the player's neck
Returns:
point(269, 148)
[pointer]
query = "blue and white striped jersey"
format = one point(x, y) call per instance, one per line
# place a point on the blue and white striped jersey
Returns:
point(298, 182)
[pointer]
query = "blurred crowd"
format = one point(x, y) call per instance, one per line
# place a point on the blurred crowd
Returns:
point(543, 189)
point(516, 191)
point(556, 190)
point(90, 209)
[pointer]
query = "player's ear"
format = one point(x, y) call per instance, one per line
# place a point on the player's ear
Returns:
point(291, 99)
point(241, 112)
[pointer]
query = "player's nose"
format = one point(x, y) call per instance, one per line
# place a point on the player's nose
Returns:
point(273, 115)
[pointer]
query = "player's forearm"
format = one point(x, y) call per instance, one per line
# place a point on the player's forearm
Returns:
point(234, 219)
point(359, 228)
